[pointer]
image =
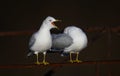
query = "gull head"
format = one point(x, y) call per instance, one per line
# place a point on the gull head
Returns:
point(72, 30)
point(50, 22)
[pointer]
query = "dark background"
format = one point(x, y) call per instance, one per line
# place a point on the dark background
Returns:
point(28, 15)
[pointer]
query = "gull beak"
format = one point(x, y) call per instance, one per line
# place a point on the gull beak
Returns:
point(55, 25)
point(58, 21)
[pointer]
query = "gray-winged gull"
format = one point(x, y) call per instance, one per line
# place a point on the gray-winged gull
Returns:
point(41, 40)
point(73, 40)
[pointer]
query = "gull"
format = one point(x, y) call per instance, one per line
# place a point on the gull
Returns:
point(41, 40)
point(73, 40)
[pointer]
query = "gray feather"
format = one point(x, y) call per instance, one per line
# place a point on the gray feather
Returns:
point(60, 41)
point(32, 40)
point(30, 53)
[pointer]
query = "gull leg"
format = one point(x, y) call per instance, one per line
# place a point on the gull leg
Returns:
point(37, 62)
point(44, 57)
point(71, 58)
point(77, 56)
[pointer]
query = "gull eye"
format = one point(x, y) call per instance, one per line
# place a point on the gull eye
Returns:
point(50, 20)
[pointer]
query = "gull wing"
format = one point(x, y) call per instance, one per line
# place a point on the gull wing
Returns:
point(61, 41)
point(32, 40)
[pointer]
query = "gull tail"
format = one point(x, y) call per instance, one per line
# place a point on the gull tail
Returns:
point(53, 50)
point(56, 50)
point(64, 54)
point(60, 51)
point(30, 53)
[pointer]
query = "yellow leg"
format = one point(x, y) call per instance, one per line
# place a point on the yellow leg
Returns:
point(37, 62)
point(44, 61)
point(77, 56)
point(71, 58)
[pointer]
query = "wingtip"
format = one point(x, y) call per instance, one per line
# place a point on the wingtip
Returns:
point(30, 53)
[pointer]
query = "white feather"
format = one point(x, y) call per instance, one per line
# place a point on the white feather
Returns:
point(42, 38)
point(79, 39)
